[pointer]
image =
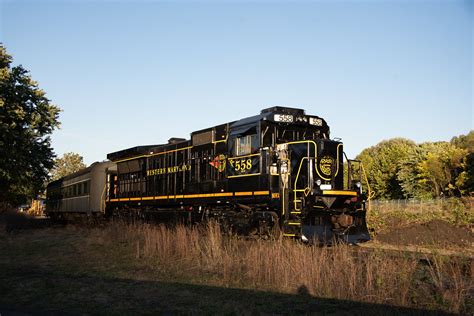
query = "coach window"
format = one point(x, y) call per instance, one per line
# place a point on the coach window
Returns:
point(86, 189)
point(246, 144)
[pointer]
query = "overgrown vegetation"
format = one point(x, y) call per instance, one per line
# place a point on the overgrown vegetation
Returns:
point(286, 266)
point(141, 254)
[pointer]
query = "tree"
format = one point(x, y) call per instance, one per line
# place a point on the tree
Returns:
point(440, 168)
point(409, 177)
point(433, 170)
point(27, 118)
point(464, 141)
point(382, 163)
point(67, 164)
point(466, 178)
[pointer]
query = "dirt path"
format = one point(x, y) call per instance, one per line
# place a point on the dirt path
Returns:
point(433, 233)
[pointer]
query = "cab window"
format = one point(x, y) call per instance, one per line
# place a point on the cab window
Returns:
point(245, 145)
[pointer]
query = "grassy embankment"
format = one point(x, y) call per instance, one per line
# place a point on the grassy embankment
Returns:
point(389, 215)
point(121, 268)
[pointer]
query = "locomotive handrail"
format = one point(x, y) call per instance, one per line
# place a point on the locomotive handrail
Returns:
point(102, 199)
point(295, 190)
point(370, 193)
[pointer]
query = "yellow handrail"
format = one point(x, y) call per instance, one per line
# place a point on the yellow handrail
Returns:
point(370, 193)
point(102, 199)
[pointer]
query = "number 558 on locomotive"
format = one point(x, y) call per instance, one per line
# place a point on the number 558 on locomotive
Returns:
point(278, 172)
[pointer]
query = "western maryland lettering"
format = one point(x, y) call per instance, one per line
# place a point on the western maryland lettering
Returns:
point(167, 170)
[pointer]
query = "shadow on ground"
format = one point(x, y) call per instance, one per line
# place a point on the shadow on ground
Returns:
point(14, 221)
point(27, 290)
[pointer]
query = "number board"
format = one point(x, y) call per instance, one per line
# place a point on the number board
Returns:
point(243, 165)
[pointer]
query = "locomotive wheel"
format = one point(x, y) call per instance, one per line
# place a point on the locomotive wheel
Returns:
point(276, 231)
point(268, 225)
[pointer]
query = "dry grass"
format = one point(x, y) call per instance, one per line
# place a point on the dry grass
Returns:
point(203, 255)
point(128, 266)
point(383, 215)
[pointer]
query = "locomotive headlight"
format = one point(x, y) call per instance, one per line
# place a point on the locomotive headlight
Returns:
point(318, 182)
point(286, 118)
point(358, 184)
point(315, 121)
point(301, 119)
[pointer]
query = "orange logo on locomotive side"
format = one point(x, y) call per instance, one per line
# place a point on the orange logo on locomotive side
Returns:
point(219, 163)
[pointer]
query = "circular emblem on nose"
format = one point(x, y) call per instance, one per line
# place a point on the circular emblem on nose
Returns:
point(325, 165)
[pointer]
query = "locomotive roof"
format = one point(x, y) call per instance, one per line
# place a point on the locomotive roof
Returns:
point(176, 143)
point(283, 109)
point(132, 151)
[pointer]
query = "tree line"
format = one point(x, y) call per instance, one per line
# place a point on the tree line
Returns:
point(399, 168)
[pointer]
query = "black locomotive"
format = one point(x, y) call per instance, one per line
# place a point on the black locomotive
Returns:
point(276, 172)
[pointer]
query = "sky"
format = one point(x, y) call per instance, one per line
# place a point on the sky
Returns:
point(128, 73)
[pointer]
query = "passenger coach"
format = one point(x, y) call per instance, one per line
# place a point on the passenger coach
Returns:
point(79, 194)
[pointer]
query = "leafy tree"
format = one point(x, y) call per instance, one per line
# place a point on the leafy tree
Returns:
point(441, 167)
point(399, 168)
point(26, 119)
point(464, 141)
point(409, 176)
point(67, 164)
point(466, 178)
point(433, 170)
point(382, 163)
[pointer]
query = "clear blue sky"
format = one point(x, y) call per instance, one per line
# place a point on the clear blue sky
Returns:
point(128, 73)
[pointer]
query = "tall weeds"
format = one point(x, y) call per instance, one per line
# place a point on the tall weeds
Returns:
point(203, 254)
